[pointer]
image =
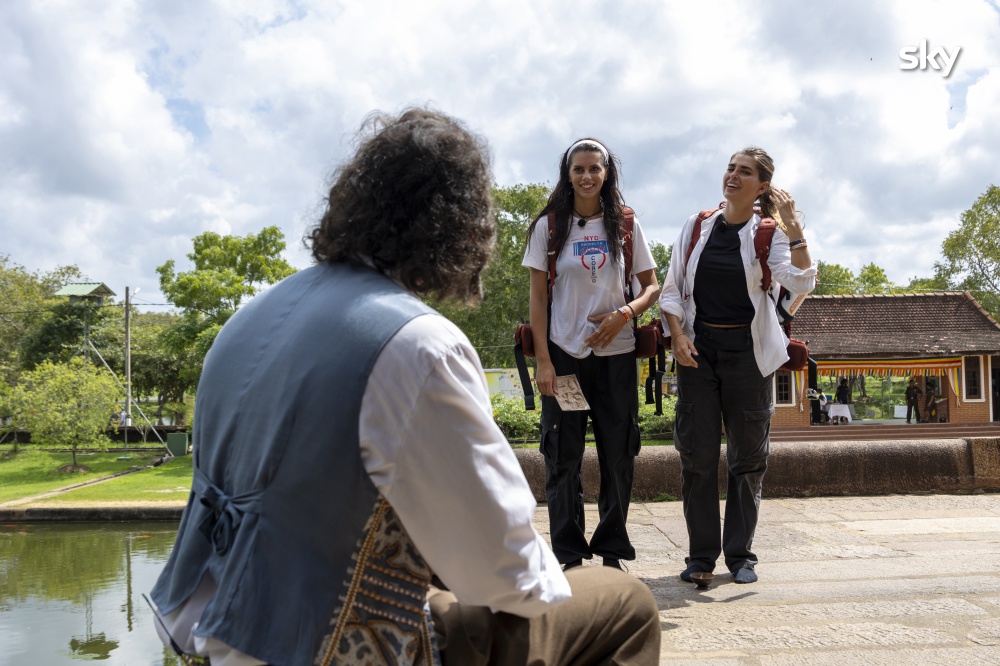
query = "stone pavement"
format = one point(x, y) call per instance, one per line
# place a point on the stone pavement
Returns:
point(895, 580)
point(889, 579)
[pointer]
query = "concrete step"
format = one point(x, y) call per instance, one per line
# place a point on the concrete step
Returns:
point(878, 432)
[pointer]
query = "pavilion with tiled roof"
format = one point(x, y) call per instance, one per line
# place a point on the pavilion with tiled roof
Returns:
point(939, 334)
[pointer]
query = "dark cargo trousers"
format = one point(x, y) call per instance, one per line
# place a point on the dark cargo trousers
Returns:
point(726, 388)
point(610, 386)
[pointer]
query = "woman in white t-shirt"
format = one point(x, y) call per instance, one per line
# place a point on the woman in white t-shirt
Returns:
point(586, 331)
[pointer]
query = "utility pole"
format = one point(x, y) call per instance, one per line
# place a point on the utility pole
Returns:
point(128, 358)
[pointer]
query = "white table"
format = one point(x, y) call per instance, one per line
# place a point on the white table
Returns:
point(840, 410)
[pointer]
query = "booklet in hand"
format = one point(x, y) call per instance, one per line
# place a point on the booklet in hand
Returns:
point(569, 395)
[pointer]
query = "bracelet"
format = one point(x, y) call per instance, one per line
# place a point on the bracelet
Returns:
point(622, 312)
point(795, 243)
point(801, 246)
point(632, 309)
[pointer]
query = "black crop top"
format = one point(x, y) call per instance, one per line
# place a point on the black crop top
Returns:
point(720, 284)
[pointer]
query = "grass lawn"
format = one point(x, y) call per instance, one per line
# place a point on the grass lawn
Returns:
point(170, 481)
point(33, 472)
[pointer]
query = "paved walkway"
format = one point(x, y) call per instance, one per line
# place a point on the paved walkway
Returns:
point(895, 580)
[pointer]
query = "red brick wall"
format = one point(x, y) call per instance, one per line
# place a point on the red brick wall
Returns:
point(968, 412)
point(789, 416)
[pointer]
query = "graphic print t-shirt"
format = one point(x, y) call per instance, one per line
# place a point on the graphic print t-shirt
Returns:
point(587, 283)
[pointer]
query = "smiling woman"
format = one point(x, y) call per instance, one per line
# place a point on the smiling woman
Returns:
point(581, 304)
point(727, 342)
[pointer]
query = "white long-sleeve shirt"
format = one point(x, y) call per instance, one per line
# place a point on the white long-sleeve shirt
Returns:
point(677, 295)
point(430, 445)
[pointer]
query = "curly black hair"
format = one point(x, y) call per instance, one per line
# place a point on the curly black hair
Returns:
point(414, 201)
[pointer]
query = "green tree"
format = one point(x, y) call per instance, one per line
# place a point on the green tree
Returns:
point(66, 404)
point(490, 326)
point(971, 253)
point(61, 332)
point(158, 368)
point(873, 280)
point(228, 270)
point(23, 296)
point(661, 257)
point(7, 426)
point(834, 279)
point(935, 283)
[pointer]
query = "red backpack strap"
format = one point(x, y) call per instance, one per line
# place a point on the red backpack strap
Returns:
point(551, 254)
point(696, 230)
point(762, 246)
point(628, 225)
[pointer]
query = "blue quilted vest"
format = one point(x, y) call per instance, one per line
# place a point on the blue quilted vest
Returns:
point(311, 564)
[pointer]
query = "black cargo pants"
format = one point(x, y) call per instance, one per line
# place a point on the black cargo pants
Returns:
point(610, 386)
point(726, 388)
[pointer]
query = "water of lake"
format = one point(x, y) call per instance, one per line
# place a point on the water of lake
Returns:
point(72, 592)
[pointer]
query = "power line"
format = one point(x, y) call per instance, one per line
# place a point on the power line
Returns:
point(108, 305)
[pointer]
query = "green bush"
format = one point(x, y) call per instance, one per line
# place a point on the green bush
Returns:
point(653, 426)
point(517, 423)
point(66, 404)
point(521, 425)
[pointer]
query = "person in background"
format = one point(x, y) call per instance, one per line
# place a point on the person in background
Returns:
point(930, 401)
point(727, 342)
point(586, 330)
point(824, 406)
point(345, 512)
point(843, 395)
point(913, 394)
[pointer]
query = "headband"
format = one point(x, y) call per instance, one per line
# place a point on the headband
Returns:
point(588, 142)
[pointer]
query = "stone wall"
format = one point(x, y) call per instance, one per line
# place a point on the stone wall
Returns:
point(805, 469)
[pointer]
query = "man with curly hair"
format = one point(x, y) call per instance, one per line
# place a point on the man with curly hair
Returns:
point(353, 500)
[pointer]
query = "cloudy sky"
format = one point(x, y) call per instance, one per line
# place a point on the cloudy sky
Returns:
point(129, 126)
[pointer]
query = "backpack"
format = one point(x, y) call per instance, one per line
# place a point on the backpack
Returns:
point(785, 304)
point(761, 243)
point(648, 338)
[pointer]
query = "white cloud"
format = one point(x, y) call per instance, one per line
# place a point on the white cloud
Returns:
point(127, 128)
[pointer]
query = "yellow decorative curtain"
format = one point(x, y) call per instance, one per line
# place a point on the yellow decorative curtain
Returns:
point(904, 367)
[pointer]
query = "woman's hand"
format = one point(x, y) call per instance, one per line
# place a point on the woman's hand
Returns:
point(609, 326)
point(545, 376)
point(786, 209)
point(793, 227)
point(683, 350)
